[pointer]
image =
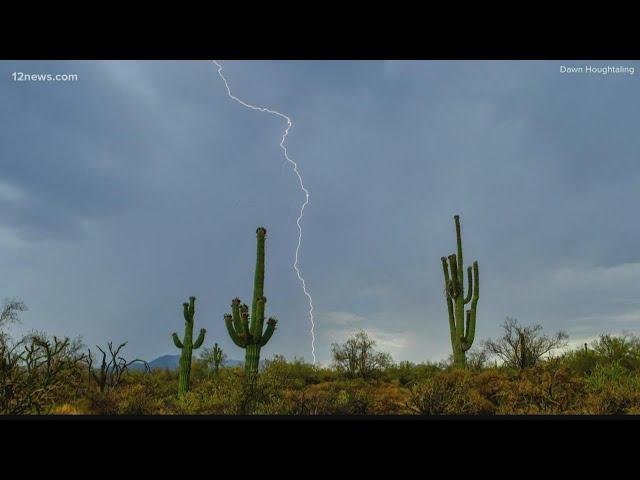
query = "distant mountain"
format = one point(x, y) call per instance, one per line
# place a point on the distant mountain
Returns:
point(171, 362)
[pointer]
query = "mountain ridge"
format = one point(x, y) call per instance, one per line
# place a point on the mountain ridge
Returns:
point(171, 362)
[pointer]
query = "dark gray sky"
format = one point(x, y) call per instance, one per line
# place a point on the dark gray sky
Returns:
point(142, 183)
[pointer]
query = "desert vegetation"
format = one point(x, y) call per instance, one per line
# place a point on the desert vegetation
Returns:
point(523, 371)
point(47, 376)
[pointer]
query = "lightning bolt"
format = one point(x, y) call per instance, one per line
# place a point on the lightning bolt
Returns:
point(302, 187)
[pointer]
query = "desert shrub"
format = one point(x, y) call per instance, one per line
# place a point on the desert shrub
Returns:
point(348, 397)
point(612, 389)
point(352, 397)
point(617, 352)
point(101, 402)
point(621, 349)
point(230, 393)
point(548, 388)
point(212, 358)
point(609, 375)
point(342, 397)
point(490, 383)
point(581, 361)
point(66, 409)
point(448, 393)
point(357, 357)
point(213, 396)
point(477, 359)
point(295, 374)
point(389, 398)
point(407, 373)
point(146, 393)
point(135, 393)
point(164, 382)
point(36, 372)
point(112, 368)
point(523, 347)
point(138, 399)
point(10, 313)
point(200, 371)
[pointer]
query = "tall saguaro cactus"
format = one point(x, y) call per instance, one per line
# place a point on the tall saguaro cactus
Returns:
point(462, 325)
point(247, 331)
point(187, 345)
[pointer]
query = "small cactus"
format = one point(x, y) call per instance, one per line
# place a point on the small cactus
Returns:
point(217, 357)
point(187, 345)
point(247, 331)
point(462, 332)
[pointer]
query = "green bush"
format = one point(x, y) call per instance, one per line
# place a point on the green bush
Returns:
point(613, 389)
point(407, 373)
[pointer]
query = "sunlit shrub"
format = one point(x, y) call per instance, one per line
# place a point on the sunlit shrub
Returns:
point(343, 397)
point(448, 393)
point(66, 409)
point(389, 398)
point(138, 399)
point(548, 388)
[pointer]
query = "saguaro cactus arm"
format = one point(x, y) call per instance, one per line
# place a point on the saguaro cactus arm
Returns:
point(467, 299)
point(244, 320)
point(271, 327)
point(476, 287)
point(177, 341)
point(470, 332)
point(447, 286)
point(228, 320)
point(198, 343)
point(454, 287)
point(235, 312)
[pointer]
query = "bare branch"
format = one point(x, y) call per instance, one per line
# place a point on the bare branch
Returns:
point(11, 309)
point(522, 347)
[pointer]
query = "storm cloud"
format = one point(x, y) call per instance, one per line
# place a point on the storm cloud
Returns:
point(142, 183)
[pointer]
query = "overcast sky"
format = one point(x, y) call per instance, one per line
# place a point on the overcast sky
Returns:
point(142, 183)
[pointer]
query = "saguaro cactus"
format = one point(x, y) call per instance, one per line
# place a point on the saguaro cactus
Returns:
point(187, 345)
point(246, 330)
point(462, 333)
point(217, 358)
